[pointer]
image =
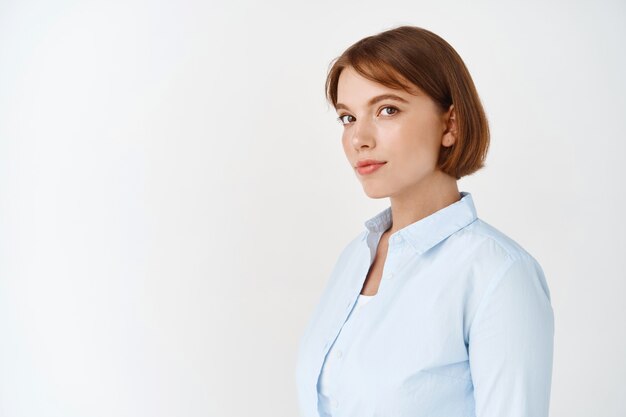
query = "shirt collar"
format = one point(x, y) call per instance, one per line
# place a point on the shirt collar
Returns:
point(432, 229)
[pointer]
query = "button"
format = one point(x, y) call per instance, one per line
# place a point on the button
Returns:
point(390, 275)
point(339, 354)
point(334, 403)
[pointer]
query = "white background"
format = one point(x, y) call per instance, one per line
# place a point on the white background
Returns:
point(173, 192)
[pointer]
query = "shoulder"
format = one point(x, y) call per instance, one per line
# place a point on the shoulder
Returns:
point(489, 256)
point(503, 280)
point(488, 240)
point(502, 259)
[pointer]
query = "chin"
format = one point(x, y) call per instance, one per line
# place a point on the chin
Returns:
point(376, 194)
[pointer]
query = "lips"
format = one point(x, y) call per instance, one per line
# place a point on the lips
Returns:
point(367, 162)
point(367, 167)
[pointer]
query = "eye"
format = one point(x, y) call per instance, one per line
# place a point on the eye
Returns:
point(341, 120)
point(390, 108)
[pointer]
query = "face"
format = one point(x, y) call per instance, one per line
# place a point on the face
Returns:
point(404, 132)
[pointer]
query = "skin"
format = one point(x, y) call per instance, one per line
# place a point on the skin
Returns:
point(408, 137)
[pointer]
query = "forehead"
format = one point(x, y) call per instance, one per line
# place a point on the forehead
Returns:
point(354, 90)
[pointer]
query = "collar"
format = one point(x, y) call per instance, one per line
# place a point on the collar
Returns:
point(432, 229)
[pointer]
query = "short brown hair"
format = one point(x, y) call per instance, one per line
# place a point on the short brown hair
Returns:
point(415, 55)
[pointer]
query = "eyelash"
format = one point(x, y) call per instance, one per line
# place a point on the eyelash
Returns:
point(396, 111)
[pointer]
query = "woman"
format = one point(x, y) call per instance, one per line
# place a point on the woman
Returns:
point(429, 311)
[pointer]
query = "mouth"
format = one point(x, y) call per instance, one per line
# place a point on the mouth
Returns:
point(368, 168)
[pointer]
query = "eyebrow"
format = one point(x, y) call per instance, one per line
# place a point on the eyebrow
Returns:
point(375, 100)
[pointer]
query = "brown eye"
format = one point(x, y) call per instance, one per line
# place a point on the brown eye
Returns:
point(394, 110)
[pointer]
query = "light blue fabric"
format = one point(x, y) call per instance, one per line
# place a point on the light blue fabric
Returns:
point(462, 324)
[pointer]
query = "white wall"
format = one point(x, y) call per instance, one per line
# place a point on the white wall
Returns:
point(173, 192)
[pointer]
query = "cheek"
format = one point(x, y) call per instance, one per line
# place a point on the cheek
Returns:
point(409, 139)
point(414, 148)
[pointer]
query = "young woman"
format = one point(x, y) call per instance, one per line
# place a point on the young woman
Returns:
point(429, 311)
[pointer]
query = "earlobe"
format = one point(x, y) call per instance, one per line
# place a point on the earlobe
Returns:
point(448, 140)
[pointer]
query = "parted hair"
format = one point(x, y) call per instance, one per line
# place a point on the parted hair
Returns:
point(405, 55)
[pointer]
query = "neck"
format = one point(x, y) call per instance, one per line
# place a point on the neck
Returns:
point(437, 191)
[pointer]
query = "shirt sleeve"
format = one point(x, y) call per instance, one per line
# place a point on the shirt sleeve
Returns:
point(510, 344)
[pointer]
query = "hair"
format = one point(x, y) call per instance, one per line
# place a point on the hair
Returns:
point(408, 55)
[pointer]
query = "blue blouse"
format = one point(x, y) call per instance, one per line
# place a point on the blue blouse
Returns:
point(461, 326)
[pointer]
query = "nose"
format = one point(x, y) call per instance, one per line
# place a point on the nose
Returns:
point(362, 134)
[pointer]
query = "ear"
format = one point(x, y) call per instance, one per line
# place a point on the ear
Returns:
point(450, 128)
